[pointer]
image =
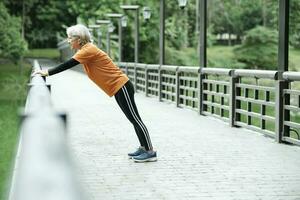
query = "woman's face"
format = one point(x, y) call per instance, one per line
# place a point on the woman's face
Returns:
point(74, 42)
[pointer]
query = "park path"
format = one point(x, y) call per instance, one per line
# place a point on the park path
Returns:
point(198, 157)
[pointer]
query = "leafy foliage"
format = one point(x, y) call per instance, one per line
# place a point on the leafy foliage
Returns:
point(44, 21)
point(259, 49)
point(12, 45)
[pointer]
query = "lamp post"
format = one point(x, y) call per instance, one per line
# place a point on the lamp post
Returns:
point(96, 27)
point(202, 32)
point(135, 8)
point(147, 14)
point(162, 33)
point(122, 22)
point(182, 4)
point(106, 22)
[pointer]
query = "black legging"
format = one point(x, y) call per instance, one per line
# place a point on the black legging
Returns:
point(125, 99)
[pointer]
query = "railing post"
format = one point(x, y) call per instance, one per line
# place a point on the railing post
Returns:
point(200, 92)
point(146, 81)
point(126, 68)
point(135, 77)
point(279, 110)
point(159, 83)
point(177, 100)
point(232, 101)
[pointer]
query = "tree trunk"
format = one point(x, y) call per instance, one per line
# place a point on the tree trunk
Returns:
point(229, 39)
point(23, 19)
point(264, 12)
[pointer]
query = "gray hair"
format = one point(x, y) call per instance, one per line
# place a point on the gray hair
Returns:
point(80, 31)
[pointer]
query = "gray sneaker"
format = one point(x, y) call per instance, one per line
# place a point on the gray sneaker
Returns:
point(146, 157)
point(138, 152)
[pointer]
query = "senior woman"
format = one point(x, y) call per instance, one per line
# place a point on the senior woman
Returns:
point(104, 73)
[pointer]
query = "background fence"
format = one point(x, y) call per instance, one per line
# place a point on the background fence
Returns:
point(253, 99)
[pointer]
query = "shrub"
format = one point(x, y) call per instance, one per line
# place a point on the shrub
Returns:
point(258, 49)
point(12, 45)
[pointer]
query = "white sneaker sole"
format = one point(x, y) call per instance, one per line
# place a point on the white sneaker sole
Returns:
point(153, 159)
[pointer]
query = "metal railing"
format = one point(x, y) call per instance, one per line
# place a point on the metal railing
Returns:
point(43, 166)
point(243, 98)
point(254, 99)
point(291, 108)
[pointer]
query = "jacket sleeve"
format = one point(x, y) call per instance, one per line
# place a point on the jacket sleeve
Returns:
point(64, 66)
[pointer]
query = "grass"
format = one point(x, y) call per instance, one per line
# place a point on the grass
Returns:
point(13, 92)
point(294, 60)
point(43, 53)
point(219, 57)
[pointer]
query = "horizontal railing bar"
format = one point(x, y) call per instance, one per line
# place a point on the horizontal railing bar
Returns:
point(216, 82)
point(168, 76)
point(216, 71)
point(256, 115)
point(216, 93)
point(291, 76)
point(184, 78)
point(292, 124)
point(130, 64)
point(168, 68)
point(140, 85)
point(152, 74)
point(190, 69)
point(255, 73)
point(248, 86)
point(217, 105)
point(189, 88)
point(168, 93)
point(153, 81)
point(256, 101)
point(292, 92)
point(168, 84)
point(291, 140)
point(188, 98)
point(153, 67)
point(141, 65)
point(153, 89)
point(292, 108)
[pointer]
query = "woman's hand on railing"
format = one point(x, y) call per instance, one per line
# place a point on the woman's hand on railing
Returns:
point(40, 72)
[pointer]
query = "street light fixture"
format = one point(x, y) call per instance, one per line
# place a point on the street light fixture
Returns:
point(106, 22)
point(182, 3)
point(146, 13)
point(111, 27)
point(122, 22)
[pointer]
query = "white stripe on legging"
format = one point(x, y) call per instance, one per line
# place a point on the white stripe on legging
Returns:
point(144, 129)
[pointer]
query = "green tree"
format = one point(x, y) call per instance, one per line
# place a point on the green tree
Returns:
point(259, 49)
point(12, 45)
